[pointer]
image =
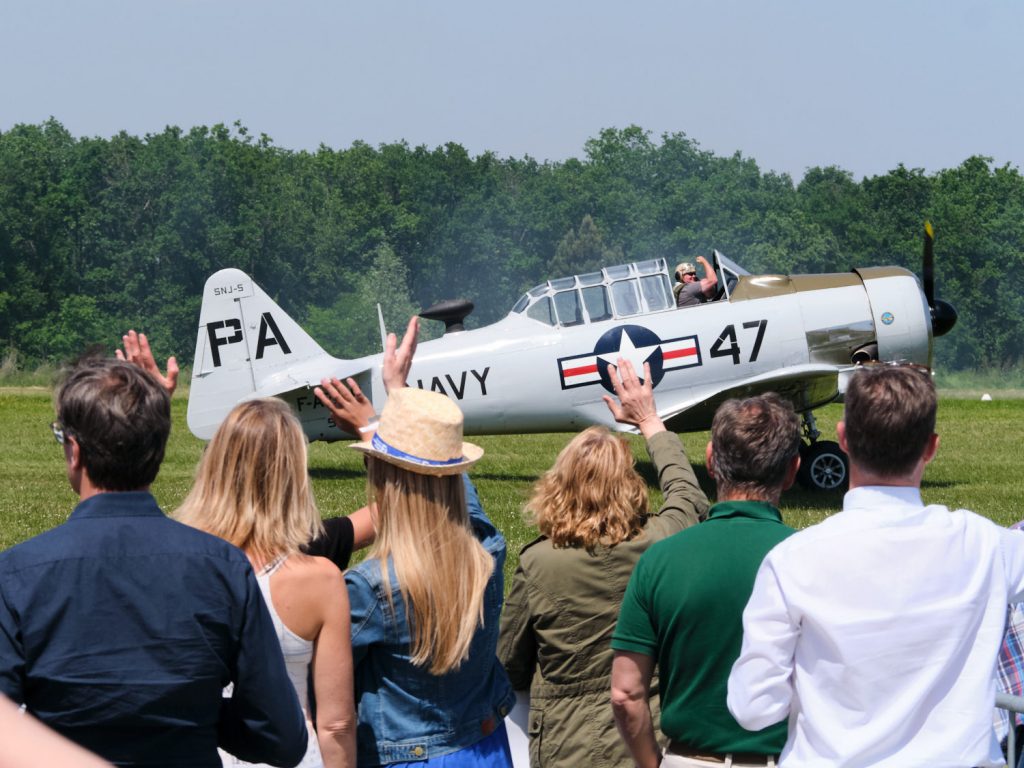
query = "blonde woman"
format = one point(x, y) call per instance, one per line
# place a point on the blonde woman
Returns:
point(252, 489)
point(591, 510)
point(425, 603)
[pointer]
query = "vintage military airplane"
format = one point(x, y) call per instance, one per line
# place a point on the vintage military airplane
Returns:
point(544, 367)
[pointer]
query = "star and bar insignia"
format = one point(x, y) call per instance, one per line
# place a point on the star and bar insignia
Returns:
point(635, 343)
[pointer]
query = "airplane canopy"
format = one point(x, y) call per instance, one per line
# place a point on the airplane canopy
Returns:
point(626, 290)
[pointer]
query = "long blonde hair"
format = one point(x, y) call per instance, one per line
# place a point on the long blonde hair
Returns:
point(442, 570)
point(252, 487)
point(592, 495)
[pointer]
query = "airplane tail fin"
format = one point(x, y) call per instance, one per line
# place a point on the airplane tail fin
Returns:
point(247, 347)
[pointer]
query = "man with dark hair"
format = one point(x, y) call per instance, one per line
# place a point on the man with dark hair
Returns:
point(120, 628)
point(685, 598)
point(876, 631)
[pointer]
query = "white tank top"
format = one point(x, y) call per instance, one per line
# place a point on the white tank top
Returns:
point(298, 653)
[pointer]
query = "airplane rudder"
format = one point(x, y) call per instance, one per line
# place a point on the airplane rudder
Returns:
point(221, 343)
point(221, 373)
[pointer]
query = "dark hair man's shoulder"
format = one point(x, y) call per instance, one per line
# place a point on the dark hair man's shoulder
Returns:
point(204, 543)
point(116, 537)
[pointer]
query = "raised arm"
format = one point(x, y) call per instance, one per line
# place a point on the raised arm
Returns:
point(684, 502)
point(137, 351)
point(635, 404)
point(398, 357)
point(342, 536)
point(709, 283)
point(351, 410)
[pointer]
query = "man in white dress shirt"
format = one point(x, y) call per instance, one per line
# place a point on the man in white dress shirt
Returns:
point(876, 631)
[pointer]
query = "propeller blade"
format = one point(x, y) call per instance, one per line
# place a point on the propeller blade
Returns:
point(944, 315)
point(928, 267)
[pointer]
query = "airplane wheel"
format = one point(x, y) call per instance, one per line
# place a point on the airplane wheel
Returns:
point(823, 467)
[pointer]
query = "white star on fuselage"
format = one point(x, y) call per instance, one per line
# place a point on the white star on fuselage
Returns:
point(628, 351)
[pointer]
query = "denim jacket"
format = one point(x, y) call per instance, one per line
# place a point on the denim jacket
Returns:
point(406, 713)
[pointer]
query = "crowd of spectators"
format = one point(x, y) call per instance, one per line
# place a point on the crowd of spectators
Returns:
point(233, 632)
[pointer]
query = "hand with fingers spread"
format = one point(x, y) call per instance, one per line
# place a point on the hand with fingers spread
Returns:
point(636, 399)
point(350, 408)
point(137, 351)
point(398, 357)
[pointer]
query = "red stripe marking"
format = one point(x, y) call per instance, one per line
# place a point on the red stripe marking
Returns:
point(686, 352)
point(581, 370)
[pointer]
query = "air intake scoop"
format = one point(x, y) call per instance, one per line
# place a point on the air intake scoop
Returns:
point(451, 312)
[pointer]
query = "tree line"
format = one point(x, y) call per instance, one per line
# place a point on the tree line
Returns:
point(101, 234)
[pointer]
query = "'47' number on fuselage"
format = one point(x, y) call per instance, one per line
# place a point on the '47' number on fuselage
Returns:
point(728, 346)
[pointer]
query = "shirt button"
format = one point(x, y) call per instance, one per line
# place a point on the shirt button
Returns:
point(418, 751)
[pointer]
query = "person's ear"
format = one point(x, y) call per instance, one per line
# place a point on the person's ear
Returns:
point(709, 460)
point(931, 448)
point(791, 472)
point(73, 452)
point(841, 436)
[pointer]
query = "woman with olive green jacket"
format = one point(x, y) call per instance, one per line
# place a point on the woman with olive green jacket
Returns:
point(556, 627)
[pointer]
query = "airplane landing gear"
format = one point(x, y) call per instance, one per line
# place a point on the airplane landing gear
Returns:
point(823, 465)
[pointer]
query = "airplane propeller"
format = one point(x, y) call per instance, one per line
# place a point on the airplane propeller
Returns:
point(944, 314)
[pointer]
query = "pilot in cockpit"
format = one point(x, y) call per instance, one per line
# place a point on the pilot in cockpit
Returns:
point(689, 290)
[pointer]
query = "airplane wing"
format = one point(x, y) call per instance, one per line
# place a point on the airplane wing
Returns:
point(692, 409)
point(806, 386)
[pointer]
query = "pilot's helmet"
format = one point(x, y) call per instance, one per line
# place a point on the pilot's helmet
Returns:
point(685, 268)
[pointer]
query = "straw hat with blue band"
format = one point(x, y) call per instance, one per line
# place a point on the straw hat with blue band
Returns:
point(422, 432)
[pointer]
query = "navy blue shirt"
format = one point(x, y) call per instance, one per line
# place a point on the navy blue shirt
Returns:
point(120, 628)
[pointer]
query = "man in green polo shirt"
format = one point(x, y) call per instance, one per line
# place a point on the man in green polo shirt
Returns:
point(684, 604)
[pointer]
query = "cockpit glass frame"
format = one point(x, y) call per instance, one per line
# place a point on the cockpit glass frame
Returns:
point(616, 292)
point(568, 308)
point(626, 298)
point(656, 292)
point(596, 302)
point(542, 311)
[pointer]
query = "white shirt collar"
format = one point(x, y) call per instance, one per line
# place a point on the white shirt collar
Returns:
point(873, 496)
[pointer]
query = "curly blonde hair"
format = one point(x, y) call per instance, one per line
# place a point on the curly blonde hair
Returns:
point(592, 495)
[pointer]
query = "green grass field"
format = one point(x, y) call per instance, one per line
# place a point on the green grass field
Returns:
point(979, 467)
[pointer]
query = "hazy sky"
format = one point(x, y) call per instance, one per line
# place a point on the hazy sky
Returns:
point(863, 85)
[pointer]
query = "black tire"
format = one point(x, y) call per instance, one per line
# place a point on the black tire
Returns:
point(823, 467)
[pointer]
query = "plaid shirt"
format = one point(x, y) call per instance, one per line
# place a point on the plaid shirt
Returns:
point(1010, 664)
